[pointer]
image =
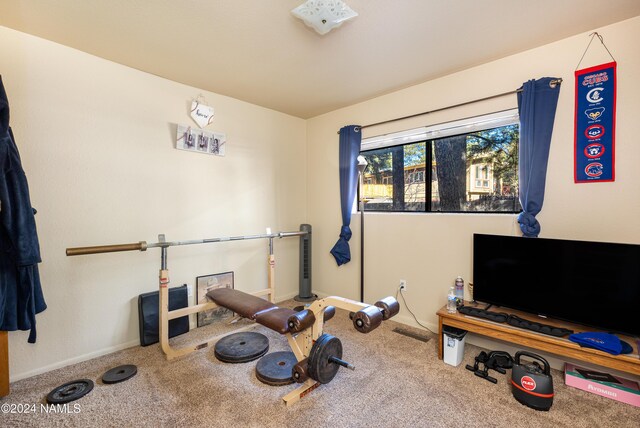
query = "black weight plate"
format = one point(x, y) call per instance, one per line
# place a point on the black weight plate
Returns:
point(241, 347)
point(70, 391)
point(276, 368)
point(320, 368)
point(120, 373)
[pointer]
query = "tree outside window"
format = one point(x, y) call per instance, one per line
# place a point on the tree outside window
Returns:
point(474, 172)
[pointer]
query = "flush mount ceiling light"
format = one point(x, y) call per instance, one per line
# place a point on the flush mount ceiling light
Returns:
point(324, 15)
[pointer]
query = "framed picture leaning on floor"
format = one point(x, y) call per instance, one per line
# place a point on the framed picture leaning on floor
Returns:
point(206, 283)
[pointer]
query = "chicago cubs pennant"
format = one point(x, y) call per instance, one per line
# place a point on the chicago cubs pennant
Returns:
point(595, 121)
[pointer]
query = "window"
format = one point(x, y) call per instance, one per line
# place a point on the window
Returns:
point(482, 176)
point(416, 176)
point(469, 165)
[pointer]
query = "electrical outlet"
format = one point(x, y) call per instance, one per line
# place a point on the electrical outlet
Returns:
point(403, 285)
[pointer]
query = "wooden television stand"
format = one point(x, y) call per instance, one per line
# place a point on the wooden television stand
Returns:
point(560, 346)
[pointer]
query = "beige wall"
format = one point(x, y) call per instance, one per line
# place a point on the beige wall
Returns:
point(430, 250)
point(97, 142)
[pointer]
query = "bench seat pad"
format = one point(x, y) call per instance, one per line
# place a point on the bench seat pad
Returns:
point(264, 312)
point(245, 305)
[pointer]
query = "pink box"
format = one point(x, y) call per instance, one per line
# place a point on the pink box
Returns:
point(602, 383)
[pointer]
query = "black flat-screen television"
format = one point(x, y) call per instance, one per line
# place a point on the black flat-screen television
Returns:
point(592, 283)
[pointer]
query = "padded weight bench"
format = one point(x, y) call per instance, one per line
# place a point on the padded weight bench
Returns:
point(319, 354)
point(282, 320)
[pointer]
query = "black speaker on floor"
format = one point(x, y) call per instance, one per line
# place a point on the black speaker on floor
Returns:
point(149, 319)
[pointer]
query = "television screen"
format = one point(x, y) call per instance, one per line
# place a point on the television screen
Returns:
point(591, 283)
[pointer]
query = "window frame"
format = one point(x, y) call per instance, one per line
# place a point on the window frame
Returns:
point(428, 135)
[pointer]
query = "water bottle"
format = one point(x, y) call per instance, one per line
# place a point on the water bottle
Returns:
point(451, 301)
point(459, 290)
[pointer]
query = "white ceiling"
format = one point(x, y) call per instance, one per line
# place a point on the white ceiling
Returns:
point(257, 51)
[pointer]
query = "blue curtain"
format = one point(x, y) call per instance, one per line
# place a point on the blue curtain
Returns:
point(350, 139)
point(537, 108)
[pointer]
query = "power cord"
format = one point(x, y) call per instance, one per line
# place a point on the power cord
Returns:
point(412, 314)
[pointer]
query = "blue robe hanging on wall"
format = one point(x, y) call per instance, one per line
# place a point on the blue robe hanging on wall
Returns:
point(21, 295)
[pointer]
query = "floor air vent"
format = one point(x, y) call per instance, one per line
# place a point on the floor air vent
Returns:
point(423, 337)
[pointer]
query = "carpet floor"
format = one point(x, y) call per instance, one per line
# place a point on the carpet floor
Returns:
point(398, 382)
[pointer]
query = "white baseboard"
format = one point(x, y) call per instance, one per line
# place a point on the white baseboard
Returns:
point(19, 376)
point(408, 320)
point(283, 297)
point(402, 319)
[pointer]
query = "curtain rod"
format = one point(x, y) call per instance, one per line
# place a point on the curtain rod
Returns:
point(552, 83)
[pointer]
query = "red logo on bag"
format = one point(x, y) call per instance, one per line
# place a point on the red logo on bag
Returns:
point(528, 383)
